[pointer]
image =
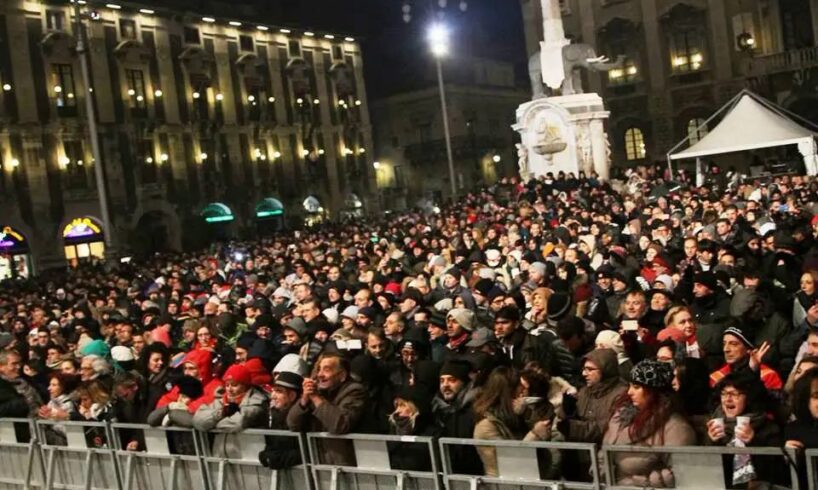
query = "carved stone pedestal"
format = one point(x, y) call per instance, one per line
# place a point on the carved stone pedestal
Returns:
point(565, 133)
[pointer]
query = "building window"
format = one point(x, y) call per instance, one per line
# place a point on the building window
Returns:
point(127, 29)
point(136, 90)
point(696, 130)
point(687, 51)
point(246, 43)
point(294, 49)
point(634, 144)
point(55, 20)
point(150, 173)
point(63, 86)
point(192, 35)
point(76, 178)
point(337, 53)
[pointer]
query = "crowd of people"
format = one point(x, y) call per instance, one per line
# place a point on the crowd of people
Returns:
point(639, 312)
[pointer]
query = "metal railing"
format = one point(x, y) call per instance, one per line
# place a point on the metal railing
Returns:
point(22, 461)
point(49, 455)
point(517, 464)
point(693, 467)
point(372, 462)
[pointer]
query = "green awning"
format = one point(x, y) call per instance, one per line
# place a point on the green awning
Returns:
point(216, 212)
point(269, 207)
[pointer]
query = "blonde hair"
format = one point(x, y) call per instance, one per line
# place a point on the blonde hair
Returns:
point(670, 316)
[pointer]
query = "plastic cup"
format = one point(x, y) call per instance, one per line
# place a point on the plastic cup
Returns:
point(742, 422)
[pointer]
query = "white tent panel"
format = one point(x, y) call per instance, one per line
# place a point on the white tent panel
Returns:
point(748, 126)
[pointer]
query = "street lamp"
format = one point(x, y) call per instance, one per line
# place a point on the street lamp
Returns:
point(90, 110)
point(438, 37)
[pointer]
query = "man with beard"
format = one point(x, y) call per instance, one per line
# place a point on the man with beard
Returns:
point(453, 414)
point(282, 452)
point(332, 403)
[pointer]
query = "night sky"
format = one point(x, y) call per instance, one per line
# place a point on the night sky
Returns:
point(396, 56)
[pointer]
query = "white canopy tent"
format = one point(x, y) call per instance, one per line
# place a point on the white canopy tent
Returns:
point(752, 122)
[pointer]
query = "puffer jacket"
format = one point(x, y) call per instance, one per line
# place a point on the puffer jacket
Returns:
point(647, 469)
point(252, 413)
point(594, 403)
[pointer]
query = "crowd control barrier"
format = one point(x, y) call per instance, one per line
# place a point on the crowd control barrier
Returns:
point(517, 465)
point(85, 460)
point(21, 458)
point(694, 467)
point(95, 456)
point(170, 459)
point(232, 462)
point(811, 459)
point(369, 463)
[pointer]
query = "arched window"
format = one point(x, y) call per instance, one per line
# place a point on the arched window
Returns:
point(634, 144)
point(696, 130)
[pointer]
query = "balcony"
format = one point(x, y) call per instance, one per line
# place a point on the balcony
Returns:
point(796, 59)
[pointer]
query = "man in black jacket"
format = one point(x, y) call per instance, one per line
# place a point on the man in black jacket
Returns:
point(282, 452)
point(452, 409)
point(12, 403)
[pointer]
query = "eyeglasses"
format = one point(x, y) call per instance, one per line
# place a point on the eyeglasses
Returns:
point(731, 394)
point(588, 369)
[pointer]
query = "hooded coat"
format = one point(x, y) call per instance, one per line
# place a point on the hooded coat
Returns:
point(594, 403)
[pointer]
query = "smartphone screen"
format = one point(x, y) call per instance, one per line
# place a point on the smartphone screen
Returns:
point(630, 325)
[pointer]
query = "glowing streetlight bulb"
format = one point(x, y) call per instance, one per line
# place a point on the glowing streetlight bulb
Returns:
point(6, 87)
point(438, 37)
point(196, 95)
point(496, 158)
point(163, 157)
point(158, 93)
point(203, 156)
point(220, 97)
point(376, 165)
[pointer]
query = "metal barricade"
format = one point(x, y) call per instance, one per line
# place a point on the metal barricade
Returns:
point(693, 467)
point(235, 465)
point(170, 460)
point(811, 459)
point(87, 460)
point(517, 465)
point(373, 468)
point(22, 465)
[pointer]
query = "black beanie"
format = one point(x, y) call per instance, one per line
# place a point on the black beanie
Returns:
point(458, 369)
point(190, 387)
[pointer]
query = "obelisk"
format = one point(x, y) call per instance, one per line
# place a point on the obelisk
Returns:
point(551, 46)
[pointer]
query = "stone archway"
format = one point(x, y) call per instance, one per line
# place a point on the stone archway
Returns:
point(153, 233)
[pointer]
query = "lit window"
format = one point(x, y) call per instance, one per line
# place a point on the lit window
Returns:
point(634, 144)
point(136, 89)
point(686, 51)
point(696, 130)
point(63, 86)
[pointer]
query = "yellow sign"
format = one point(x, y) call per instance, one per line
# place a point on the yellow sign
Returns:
point(81, 227)
point(9, 231)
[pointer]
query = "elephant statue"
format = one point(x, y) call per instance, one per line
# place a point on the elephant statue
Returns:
point(574, 57)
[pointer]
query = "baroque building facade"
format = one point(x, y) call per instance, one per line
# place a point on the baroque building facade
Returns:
point(208, 127)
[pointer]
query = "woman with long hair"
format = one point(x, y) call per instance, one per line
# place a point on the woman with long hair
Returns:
point(496, 418)
point(805, 298)
point(802, 433)
point(647, 416)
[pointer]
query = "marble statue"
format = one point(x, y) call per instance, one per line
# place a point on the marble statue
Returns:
point(574, 58)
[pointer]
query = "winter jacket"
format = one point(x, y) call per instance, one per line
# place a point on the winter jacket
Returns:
point(711, 314)
point(492, 428)
point(251, 412)
point(338, 414)
point(766, 434)
point(456, 419)
point(12, 404)
point(647, 469)
point(806, 432)
point(279, 452)
point(594, 407)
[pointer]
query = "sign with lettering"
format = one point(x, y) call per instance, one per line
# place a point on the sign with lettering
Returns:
point(81, 228)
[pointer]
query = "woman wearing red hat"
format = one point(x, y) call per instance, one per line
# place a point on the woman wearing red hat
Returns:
point(237, 406)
